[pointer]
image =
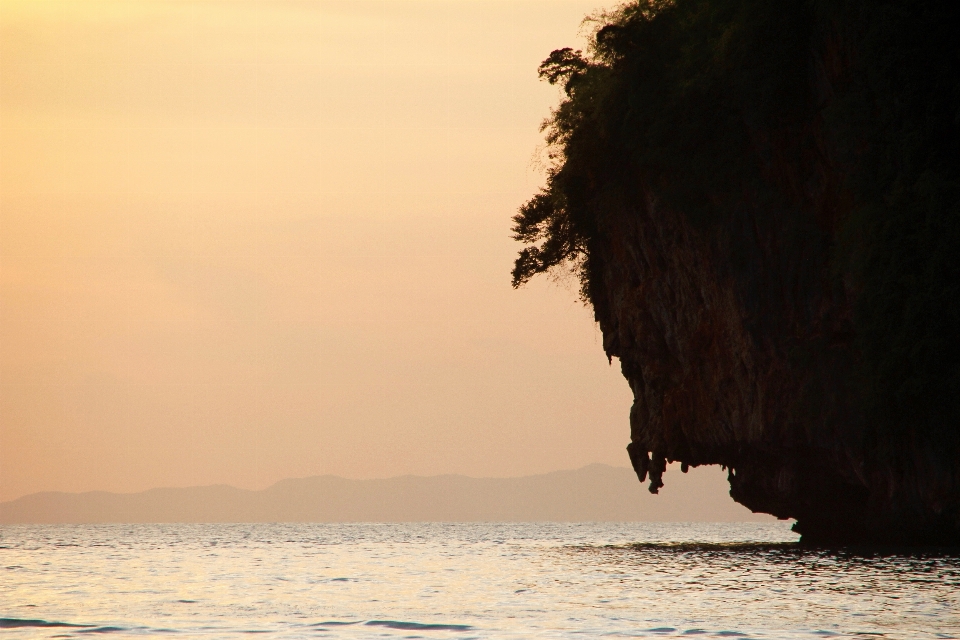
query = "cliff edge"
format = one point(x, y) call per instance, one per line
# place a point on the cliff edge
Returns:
point(762, 203)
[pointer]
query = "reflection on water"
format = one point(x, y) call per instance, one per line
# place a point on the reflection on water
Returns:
point(464, 581)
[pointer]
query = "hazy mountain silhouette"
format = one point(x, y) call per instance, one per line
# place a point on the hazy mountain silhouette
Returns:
point(594, 493)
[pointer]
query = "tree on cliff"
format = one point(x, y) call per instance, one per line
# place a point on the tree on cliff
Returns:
point(669, 102)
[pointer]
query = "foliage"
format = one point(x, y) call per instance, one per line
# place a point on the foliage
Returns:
point(898, 126)
point(661, 102)
point(666, 102)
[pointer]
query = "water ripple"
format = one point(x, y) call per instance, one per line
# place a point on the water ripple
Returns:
point(417, 626)
point(442, 581)
point(15, 623)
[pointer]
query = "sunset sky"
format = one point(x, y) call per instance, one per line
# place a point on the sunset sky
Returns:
point(246, 241)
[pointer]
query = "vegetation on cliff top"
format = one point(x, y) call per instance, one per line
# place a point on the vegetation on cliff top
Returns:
point(667, 103)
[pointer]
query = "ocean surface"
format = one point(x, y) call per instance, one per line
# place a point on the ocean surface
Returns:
point(462, 581)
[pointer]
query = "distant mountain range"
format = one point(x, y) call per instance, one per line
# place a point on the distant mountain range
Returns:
point(594, 493)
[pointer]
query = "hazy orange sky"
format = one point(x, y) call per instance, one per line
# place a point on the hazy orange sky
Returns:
point(245, 241)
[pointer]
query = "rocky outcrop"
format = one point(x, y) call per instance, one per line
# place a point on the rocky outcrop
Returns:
point(758, 375)
point(760, 223)
point(738, 340)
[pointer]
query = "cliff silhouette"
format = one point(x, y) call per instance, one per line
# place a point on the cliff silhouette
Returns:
point(762, 204)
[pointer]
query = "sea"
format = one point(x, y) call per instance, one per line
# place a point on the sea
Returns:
point(467, 580)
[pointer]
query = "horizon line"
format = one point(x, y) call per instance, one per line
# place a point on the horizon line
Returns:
point(321, 475)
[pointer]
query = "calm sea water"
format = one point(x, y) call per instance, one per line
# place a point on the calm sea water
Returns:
point(464, 581)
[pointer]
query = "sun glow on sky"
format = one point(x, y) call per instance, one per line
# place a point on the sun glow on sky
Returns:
point(244, 241)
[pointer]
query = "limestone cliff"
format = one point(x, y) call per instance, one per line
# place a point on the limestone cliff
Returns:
point(763, 205)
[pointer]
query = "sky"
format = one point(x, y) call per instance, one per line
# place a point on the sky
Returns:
point(247, 241)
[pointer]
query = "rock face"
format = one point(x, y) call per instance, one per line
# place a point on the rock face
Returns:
point(760, 385)
point(757, 340)
point(754, 365)
point(757, 375)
